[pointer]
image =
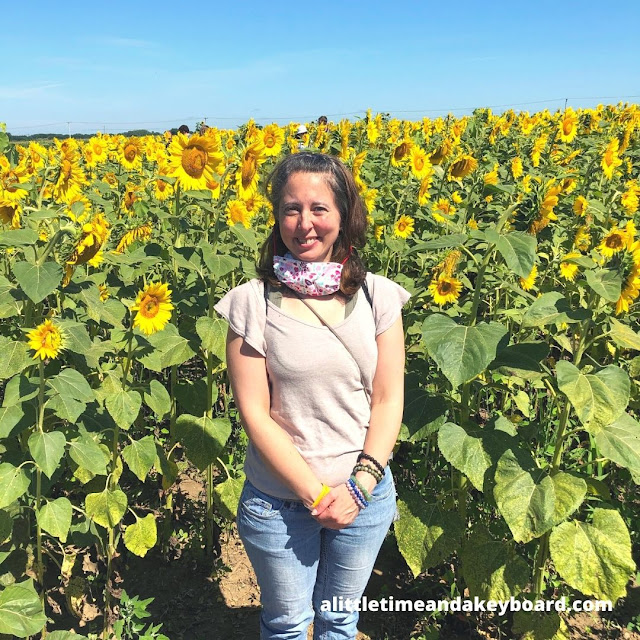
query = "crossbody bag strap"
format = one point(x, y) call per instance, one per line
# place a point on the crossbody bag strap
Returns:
point(344, 344)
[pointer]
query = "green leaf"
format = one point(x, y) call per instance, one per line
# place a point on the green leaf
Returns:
point(461, 352)
point(65, 635)
point(539, 626)
point(9, 418)
point(166, 467)
point(19, 390)
point(141, 536)
point(426, 535)
point(550, 308)
point(192, 396)
point(112, 312)
point(72, 384)
point(14, 357)
point(38, 281)
point(6, 526)
point(47, 450)
point(157, 399)
point(226, 496)
point(424, 412)
point(620, 442)
point(523, 360)
point(599, 398)
point(75, 336)
point(170, 348)
point(218, 265)
point(465, 451)
point(518, 250)
point(66, 408)
point(55, 518)
point(623, 335)
point(203, 438)
point(443, 242)
point(18, 238)
point(213, 333)
point(491, 568)
point(13, 483)
point(594, 558)
point(530, 501)
point(605, 282)
point(21, 613)
point(107, 507)
point(140, 455)
point(124, 406)
point(87, 454)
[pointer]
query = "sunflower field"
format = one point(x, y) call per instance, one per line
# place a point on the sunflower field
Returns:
point(519, 456)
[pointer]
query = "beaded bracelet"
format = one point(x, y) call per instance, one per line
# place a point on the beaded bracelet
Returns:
point(363, 491)
point(366, 456)
point(356, 495)
point(367, 468)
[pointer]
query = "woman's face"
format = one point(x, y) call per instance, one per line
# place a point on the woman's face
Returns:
point(308, 216)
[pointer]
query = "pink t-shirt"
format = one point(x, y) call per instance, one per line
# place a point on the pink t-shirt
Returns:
point(316, 388)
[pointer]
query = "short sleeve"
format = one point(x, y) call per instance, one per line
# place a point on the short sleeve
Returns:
point(388, 298)
point(244, 308)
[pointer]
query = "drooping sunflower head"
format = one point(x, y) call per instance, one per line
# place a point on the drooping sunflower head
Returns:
point(613, 242)
point(401, 153)
point(153, 306)
point(46, 340)
point(463, 166)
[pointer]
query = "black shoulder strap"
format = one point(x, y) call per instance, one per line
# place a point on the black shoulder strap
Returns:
point(367, 295)
point(266, 295)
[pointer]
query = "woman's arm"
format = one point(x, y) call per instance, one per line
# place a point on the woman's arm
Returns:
point(248, 375)
point(387, 403)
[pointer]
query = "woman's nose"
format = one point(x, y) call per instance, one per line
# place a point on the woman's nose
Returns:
point(305, 221)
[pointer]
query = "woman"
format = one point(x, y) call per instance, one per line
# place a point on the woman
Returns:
point(320, 397)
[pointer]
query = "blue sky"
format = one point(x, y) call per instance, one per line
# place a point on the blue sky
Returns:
point(125, 65)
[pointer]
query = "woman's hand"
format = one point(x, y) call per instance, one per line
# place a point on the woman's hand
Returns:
point(337, 509)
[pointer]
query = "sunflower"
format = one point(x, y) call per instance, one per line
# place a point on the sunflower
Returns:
point(582, 240)
point(162, 190)
point(568, 125)
point(516, 167)
point(10, 212)
point(420, 165)
point(94, 235)
point(403, 226)
point(538, 147)
point(445, 289)
point(247, 177)
point(615, 241)
point(568, 270)
point(194, 160)
point(378, 230)
point(369, 197)
point(110, 178)
point(153, 305)
point(46, 340)
point(99, 150)
point(130, 154)
point(237, 212)
point(37, 155)
point(70, 180)
point(610, 159)
point(441, 152)
point(131, 195)
point(580, 206)
point(423, 192)
point(629, 199)
point(401, 153)
point(272, 137)
point(528, 282)
point(491, 178)
point(141, 233)
point(441, 209)
point(462, 167)
point(373, 133)
point(104, 292)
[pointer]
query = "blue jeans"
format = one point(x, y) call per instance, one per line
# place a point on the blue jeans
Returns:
point(299, 564)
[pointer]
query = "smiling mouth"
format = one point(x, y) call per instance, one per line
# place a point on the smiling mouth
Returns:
point(305, 241)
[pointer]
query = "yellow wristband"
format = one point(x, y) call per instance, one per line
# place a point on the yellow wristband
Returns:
point(322, 494)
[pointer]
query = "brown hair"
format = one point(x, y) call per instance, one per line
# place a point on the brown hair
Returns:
point(353, 219)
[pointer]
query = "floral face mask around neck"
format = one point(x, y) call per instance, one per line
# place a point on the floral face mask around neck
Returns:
point(308, 278)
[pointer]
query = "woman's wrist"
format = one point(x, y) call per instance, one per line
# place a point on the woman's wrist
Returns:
point(310, 496)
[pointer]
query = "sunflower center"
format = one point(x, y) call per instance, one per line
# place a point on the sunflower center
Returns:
point(97, 148)
point(149, 306)
point(614, 241)
point(66, 168)
point(194, 160)
point(567, 126)
point(400, 151)
point(269, 141)
point(402, 225)
point(419, 163)
point(162, 185)
point(130, 152)
point(444, 287)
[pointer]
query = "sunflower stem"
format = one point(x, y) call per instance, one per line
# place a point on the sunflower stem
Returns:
point(40, 427)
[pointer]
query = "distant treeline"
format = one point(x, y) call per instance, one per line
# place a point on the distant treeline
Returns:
point(80, 136)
